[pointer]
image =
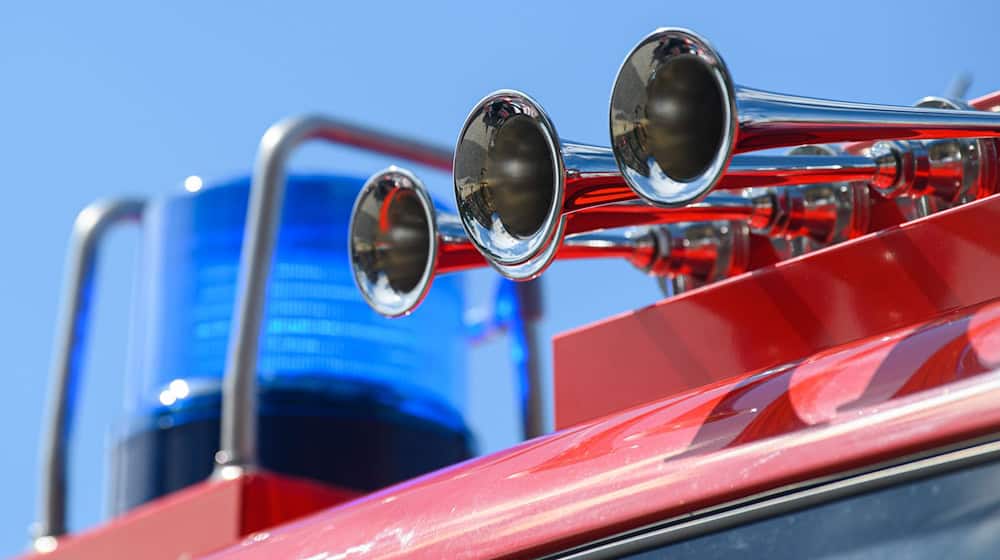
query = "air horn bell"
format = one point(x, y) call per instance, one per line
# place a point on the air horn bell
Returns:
point(398, 242)
point(517, 183)
point(677, 118)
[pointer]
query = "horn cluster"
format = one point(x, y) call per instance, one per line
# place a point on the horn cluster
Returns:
point(680, 193)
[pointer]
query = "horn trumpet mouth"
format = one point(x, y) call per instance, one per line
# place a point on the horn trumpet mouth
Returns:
point(509, 181)
point(673, 117)
point(393, 242)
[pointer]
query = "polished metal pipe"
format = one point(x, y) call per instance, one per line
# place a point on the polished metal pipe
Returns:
point(398, 243)
point(88, 231)
point(677, 118)
point(954, 170)
point(517, 182)
point(824, 213)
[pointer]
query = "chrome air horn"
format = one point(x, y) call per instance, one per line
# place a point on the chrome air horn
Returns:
point(823, 213)
point(954, 170)
point(677, 118)
point(516, 182)
point(398, 242)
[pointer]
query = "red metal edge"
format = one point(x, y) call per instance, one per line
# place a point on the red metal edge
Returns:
point(270, 499)
point(896, 277)
point(988, 102)
point(865, 403)
point(199, 519)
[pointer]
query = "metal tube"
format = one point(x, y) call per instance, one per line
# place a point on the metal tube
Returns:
point(636, 245)
point(238, 449)
point(516, 181)
point(526, 333)
point(748, 170)
point(88, 233)
point(587, 187)
point(399, 242)
point(771, 120)
point(759, 211)
point(677, 118)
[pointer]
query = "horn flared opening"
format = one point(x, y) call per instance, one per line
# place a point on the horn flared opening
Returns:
point(509, 180)
point(673, 118)
point(393, 242)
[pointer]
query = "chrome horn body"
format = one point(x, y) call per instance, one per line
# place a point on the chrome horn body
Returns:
point(517, 184)
point(398, 242)
point(955, 170)
point(677, 119)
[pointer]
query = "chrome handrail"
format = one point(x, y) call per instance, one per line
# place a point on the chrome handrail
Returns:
point(88, 232)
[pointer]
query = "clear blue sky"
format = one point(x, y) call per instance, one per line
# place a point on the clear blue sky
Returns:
point(101, 98)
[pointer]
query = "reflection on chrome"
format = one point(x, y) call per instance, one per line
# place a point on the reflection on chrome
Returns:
point(517, 184)
point(677, 118)
point(954, 170)
point(398, 242)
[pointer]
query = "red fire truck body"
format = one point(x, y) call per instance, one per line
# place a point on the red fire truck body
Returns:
point(860, 367)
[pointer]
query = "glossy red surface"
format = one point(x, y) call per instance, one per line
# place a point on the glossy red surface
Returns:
point(607, 217)
point(901, 276)
point(200, 519)
point(457, 256)
point(873, 400)
point(587, 190)
point(988, 102)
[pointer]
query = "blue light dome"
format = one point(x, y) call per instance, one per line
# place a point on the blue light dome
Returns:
point(346, 396)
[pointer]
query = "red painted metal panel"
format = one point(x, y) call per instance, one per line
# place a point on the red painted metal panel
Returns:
point(866, 402)
point(988, 102)
point(200, 519)
point(269, 499)
point(886, 280)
